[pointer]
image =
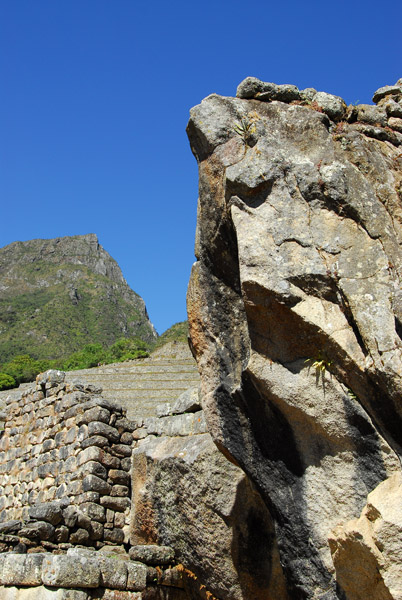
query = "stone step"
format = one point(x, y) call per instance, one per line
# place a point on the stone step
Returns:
point(125, 369)
point(161, 374)
point(134, 381)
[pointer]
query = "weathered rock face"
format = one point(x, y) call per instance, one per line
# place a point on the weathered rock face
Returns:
point(369, 548)
point(295, 308)
point(188, 496)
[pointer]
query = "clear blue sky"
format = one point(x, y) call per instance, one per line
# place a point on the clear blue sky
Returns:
point(95, 97)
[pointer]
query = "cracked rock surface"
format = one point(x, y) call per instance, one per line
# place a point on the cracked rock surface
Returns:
point(295, 308)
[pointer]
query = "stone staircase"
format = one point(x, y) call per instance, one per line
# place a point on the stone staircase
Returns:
point(143, 384)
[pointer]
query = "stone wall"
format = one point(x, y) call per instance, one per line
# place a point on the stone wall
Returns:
point(65, 460)
point(86, 574)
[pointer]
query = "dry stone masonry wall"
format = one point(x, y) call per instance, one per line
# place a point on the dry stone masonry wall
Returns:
point(65, 465)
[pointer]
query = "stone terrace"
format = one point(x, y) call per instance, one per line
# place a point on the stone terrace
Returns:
point(140, 386)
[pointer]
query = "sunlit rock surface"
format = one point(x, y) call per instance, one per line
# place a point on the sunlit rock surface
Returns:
point(295, 309)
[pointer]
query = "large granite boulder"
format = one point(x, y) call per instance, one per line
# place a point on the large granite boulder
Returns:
point(295, 310)
point(188, 496)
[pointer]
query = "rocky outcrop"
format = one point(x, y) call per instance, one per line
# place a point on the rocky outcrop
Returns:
point(295, 311)
point(369, 549)
point(57, 295)
point(188, 496)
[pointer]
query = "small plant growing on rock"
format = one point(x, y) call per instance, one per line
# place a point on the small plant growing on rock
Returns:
point(246, 128)
point(320, 363)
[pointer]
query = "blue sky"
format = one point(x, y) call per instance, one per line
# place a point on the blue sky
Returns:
point(95, 96)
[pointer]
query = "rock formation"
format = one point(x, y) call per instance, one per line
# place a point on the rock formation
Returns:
point(59, 294)
point(295, 312)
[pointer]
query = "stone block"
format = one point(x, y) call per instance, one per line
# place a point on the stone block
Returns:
point(42, 593)
point(122, 450)
point(69, 465)
point(113, 572)
point(118, 476)
point(87, 497)
point(51, 376)
point(80, 536)
point(152, 554)
point(38, 530)
point(126, 425)
point(71, 435)
point(112, 462)
point(120, 490)
point(368, 113)
point(97, 413)
point(114, 535)
point(333, 106)
point(187, 402)
point(91, 468)
point(119, 520)
point(74, 488)
point(94, 511)
point(387, 90)
point(92, 453)
point(99, 441)
point(50, 512)
point(125, 464)
point(115, 503)
point(163, 410)
point(395, 123)
point(140, 434)
point(70, 571)
point(136, 576)
point(21, 569)
point(126, 438)
point(11, 526)
point(99, 428)
point(110, 515)
point(92, 483)
point(47, 469)
point(82, 433)
point(96, 531)
point(61, 534)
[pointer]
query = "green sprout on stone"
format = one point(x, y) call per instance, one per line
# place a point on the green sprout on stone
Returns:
point(245, 129)
point(320, 363)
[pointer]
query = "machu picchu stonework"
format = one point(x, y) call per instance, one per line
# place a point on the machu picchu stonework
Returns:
point(276, 474)
point(295, 312)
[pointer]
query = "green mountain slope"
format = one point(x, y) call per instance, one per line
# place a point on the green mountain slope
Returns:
point(58, 295)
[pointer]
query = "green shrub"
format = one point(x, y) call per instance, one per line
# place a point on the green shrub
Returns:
point(126, 349)
point(6, 381)
point(24, 368)
point(90, 356)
